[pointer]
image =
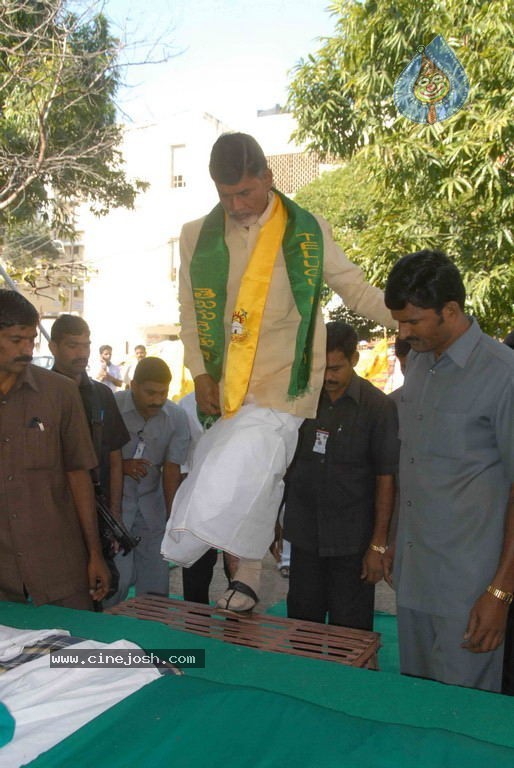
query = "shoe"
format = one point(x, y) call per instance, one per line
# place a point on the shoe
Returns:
point(239, 598)
point(284, 571)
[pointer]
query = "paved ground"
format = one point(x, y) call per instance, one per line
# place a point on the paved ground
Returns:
point(274, 587)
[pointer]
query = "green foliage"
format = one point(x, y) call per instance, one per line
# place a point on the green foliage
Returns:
point(58, 132)
point(365, 330)
point(406, 186)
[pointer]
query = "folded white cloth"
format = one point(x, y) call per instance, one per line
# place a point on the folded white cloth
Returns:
point(13, 641)
point(231, 496)
point(48, 704)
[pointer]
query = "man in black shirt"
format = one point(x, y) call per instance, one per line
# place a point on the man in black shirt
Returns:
point(70, 345)
point(340, 493)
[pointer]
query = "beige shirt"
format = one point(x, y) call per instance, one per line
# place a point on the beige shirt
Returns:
point(269, 381)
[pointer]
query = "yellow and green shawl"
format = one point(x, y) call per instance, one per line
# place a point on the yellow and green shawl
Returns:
point(302, 243)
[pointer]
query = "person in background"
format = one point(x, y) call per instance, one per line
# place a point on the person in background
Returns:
point(108, 373)
point(284, 559)
point(139, 354)
point(401, 350)
point(340, 494)
point(50, 549)
point(71, 345)
point(159, 442)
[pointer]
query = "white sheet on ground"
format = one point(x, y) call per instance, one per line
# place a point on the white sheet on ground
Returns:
point(49, 704)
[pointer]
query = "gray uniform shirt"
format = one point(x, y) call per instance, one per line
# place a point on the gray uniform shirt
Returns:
point(166, 438)
point(456, 417)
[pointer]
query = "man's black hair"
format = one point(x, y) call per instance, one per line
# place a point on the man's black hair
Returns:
point(509, 340)
point(152, 369)
point(342, 337)
point(235, 155)
point(15, 309)
point(426, 279)
point(68, 325)
point(104, 347)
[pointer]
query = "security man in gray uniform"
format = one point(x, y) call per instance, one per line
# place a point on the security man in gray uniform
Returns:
point(159, 443)
point(454, 555)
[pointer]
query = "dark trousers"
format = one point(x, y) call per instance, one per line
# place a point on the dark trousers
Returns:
point(508, 659)
point(321, 586)
point(196, 580)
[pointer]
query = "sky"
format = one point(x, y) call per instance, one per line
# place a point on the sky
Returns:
point(230, 57)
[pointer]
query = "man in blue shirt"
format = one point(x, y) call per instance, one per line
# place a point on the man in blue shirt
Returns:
point(454, 558)
point(159, 442)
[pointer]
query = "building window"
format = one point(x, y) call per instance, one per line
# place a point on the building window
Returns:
point(174, 259)
point(178, 178)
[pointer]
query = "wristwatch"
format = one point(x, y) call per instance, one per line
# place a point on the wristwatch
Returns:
point(505, 597)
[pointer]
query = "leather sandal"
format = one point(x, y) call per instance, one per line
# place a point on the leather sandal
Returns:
point(235, 587)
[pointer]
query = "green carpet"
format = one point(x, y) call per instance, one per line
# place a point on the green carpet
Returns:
point(253, 709)
point(380, 697)
point(192, 723)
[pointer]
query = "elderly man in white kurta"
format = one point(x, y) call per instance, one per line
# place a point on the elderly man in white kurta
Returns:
point(254, 337)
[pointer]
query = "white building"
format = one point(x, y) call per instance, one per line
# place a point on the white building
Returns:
point(133, 296)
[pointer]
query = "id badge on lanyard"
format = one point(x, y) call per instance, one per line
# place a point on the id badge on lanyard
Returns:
point(140, 447)
point(320, 441)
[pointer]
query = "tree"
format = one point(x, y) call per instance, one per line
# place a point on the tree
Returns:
point(341, 196)
point(446, 185)
point(59, 134)
point(40, 265)
point(29, 242)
